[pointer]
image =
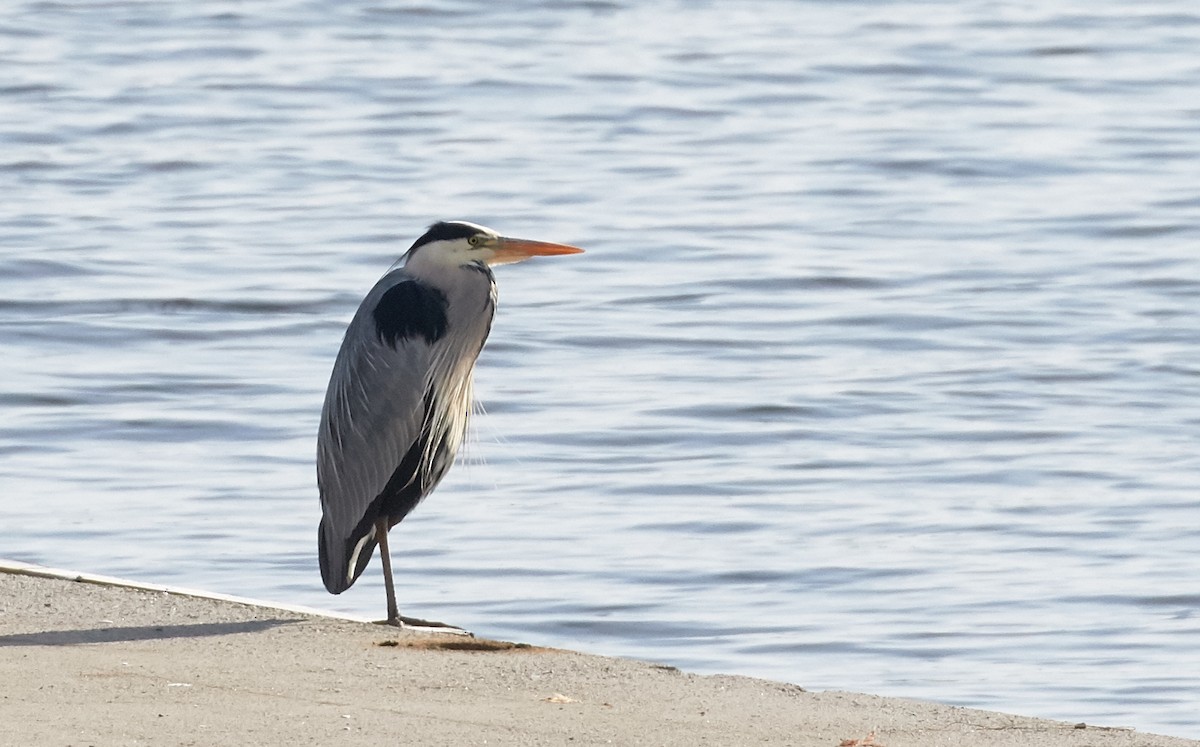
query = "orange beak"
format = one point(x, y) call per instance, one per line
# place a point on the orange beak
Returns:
point(517, 250)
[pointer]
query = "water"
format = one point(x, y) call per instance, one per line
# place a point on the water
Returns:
point(879, 374)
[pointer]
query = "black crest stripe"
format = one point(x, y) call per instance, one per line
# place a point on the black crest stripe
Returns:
point(444, 231)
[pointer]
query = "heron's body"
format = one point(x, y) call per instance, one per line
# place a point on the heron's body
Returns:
point(400, 394)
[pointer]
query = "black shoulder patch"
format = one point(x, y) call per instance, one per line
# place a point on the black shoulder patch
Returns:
point(408, 309)
point(443, 231)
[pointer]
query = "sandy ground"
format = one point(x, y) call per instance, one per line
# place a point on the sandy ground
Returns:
point(95, 664)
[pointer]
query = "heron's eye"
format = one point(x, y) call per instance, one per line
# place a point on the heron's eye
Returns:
point(475, 241)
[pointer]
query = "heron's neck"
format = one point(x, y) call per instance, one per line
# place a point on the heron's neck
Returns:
point(453, 279)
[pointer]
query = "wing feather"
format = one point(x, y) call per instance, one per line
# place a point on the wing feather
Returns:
point(397, 406)
point(372, 416)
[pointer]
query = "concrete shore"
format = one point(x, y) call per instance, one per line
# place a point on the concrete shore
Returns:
point(101, 663)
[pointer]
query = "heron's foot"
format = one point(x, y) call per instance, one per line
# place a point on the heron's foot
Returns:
point(424, 626)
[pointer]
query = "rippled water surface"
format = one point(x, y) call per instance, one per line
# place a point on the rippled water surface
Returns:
point(880, 372)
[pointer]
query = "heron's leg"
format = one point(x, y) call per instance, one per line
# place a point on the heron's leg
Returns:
point(394, 618)
point(381, 533)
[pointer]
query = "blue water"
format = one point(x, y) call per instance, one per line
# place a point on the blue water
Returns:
point(880, 372)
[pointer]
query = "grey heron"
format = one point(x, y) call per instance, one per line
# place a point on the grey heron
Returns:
point(400, 393)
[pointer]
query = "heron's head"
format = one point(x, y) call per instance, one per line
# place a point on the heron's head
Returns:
point(458, 243)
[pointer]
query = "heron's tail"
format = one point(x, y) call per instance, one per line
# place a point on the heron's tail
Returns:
point(337, 554)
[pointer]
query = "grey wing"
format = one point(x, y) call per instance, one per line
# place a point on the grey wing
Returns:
point(373, 414)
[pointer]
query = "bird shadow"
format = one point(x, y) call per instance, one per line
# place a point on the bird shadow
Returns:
point(140, 633)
